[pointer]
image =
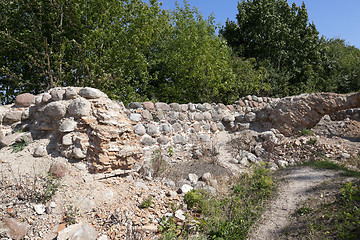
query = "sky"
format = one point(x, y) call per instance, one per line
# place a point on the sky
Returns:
point(332, 18)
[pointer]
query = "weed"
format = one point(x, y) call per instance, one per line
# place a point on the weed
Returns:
point(19, 145)
point(171, 151)
point(307, 132)
point(304, 210)
point(146, 203)
point(70, 215)
point(312, 141)
point(49, 188)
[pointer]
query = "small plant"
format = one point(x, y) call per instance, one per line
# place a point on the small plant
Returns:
point(146, 203)
point(312, 141)
point(304, 210)
point(171, 151)
point(19, 145)
point(193, 198)
point(50, 187)
point(70, 215)
point(307, 132)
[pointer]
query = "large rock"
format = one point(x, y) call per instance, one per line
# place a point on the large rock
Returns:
point(55, 110)
point(12, 117)
point(14, 228)
point(79, 231)
point(292, 114)
point(90, 93)
point(24, 100)
point(79, 107)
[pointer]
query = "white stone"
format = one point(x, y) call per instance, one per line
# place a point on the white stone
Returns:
point(67, 139)
point(40, 151)
point(185, 188)
point(39, 209)
point(135, 117)
point(179, 214)
point(79, 231)
point(68, 125)
point(79, 107)
point(193, 178)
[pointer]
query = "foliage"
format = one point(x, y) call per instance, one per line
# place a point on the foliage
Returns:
point(18, 146)
point(307, 132)
point(131, 50)
point(281, 39)
point(146, 203)
point(342, 66)
point(304, 210)
point(312, 141)
point(194, 198)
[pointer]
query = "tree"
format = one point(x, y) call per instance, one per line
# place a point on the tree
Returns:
point(131, 50)
point(342, 68)
point(193, 64)
point(281, 39)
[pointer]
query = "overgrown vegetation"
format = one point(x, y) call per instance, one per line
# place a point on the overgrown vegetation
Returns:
point(284, 42)
point(225, 217)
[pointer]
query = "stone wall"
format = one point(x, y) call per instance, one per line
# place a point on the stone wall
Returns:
point(84, 124)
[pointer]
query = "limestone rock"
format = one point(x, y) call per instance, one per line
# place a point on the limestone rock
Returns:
point(12, 117)
point(90, 93)
point(135, 117)
point(79, 231)
point(40, 151)
point(14, 228)
point(292, 114)
point(68, 125)
point(134, 105)
point(57, 94)
point(70, 93)
point(58, 169)
point(79, 107)
point(139, 129)
point(185, 188)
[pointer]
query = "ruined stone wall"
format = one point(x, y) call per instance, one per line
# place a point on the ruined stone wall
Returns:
point(84, 124)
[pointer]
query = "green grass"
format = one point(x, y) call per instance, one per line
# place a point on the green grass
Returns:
point(307, 132)
point(19, 145)
point(226, 217)
point(325, 164)
point(339, 219)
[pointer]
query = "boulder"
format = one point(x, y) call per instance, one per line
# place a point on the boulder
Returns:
point(24, 100)
point(79, 107)
point(90, 93)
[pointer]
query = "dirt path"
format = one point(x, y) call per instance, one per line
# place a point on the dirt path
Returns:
point(297, 187)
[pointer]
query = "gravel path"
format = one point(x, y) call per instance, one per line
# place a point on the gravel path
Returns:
point(297, 187)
